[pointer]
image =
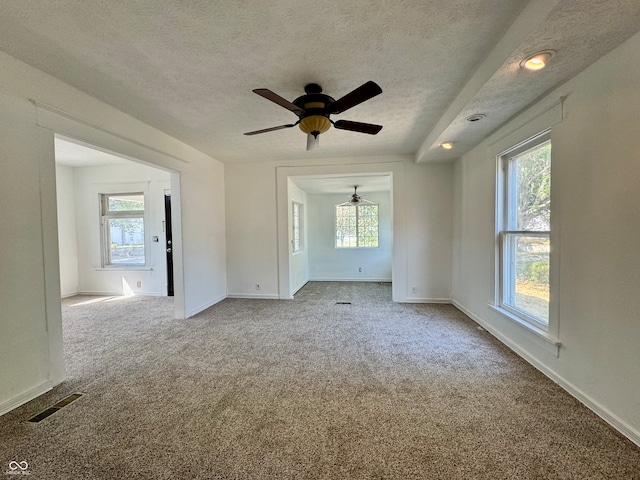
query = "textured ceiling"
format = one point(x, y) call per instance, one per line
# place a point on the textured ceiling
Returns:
point(188, 68)
point(577, 34)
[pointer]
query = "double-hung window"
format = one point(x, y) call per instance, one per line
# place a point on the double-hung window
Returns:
point(524, 209)
point(356, 226)
point(123, 239)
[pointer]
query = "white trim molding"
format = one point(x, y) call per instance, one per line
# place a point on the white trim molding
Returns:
point(201, 308)
point(25, 397)
point(427, 300)
point(263, 296)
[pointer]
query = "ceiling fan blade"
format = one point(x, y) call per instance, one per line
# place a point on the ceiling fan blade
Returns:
point(275, 98)
point(289, 125)
point(312, 142)
point(369, 128)
point(359, 95)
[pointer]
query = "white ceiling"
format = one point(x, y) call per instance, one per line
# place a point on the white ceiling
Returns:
point(343, 184)
point(188, 68)
point(74, 154)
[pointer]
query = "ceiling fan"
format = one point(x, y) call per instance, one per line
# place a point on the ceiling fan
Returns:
point(356, 199)
point(314, 109)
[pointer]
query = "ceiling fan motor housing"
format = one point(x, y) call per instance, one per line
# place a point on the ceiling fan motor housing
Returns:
point(315, 120)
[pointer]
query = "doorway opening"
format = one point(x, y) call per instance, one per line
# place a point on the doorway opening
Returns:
point(339, 240)
point(114, 223)
point(289, 278)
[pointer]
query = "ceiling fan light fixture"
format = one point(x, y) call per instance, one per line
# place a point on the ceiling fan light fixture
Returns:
point(315, 108)
point(538, 60)
point(447, 145)
point(315, 125)
point(356, 199)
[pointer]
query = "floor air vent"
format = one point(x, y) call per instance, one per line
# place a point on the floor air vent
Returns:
point(51, 410)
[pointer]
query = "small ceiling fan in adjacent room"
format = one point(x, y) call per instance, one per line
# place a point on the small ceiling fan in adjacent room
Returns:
point(315, 108)
point(356, 199)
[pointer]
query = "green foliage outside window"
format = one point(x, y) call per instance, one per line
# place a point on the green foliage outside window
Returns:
point(357, 226)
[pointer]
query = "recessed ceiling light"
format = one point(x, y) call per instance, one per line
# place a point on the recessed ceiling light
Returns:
point(538, 60)
point(447, 145)
point(475, 117)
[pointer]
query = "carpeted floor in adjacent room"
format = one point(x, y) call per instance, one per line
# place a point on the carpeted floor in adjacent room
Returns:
point(303, 389)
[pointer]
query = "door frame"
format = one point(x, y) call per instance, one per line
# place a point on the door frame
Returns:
point(396, 170)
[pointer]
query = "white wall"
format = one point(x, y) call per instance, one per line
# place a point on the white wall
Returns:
point(201, 197)
point(422, 207)
point(595, 232)
point(326, 262)
point(429, 213)
point(299, 261)
point(252, 248)
point(31, 357)
point(67, 237)
point(90, 182)
point(30, 324)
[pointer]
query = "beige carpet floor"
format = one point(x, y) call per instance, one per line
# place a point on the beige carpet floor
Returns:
point(303, 389)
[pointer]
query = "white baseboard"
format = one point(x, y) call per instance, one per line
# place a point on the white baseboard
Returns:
point(118, 294)
point(295, 290)
point(206, 305)
point(597, 408)
point(102, 294)
point(426, 300)
point(24, 397)
point(71, 294)
point(380, 280)
point(266, 296)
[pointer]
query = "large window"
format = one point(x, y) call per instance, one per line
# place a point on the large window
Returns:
point(123, 229)
point(524, 224)
point(296, 221)
point(356, 226)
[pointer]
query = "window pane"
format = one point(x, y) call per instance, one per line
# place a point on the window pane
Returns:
point(532, 172)
point(526, 285)
point(346, 233)
point(126, 241)
point(126, 203)
point(356, 226)
point(368, 225)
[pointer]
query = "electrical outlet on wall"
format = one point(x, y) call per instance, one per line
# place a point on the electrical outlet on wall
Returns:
point(139, 284)
point(360, 269)
point(414, 289)
point(257, 286)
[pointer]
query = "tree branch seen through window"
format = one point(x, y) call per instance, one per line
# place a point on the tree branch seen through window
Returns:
point(356, 226)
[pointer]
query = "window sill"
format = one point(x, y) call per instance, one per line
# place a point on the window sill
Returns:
point(123, 269)
point(530, 327)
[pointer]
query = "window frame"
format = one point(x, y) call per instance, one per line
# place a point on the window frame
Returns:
point(106, 215)
point(357, 207)
point(505, 268)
